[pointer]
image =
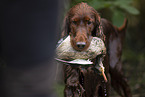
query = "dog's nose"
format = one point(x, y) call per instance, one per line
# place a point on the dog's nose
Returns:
point(81, 45)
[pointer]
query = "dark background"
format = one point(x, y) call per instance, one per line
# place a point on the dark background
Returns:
point(28, 36)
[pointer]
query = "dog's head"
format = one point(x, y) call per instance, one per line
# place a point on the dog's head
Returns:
point(81, 23)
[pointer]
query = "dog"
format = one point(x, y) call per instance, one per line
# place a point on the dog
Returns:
point(118, 80)
point(83, 22)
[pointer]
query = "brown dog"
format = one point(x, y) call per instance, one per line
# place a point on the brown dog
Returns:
point(118, 81)
point(83, 22)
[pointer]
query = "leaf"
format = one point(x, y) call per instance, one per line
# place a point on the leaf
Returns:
point(100, 4)
point(122, 2)
point(118, 18)
point(130, 9)
point(126, 5)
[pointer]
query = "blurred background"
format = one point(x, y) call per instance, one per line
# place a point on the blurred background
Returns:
point(133, 57)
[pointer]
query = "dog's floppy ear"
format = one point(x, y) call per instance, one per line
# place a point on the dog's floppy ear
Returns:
point(66, 27)
point(98, 30)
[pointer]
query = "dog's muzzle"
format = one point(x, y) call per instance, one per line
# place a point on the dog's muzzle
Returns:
point(81, 45)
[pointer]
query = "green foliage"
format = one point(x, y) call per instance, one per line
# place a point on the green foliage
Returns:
point(119, 8)
point(59, 89)
point(118, 18)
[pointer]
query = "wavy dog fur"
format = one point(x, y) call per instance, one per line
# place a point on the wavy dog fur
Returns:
point(82, 22)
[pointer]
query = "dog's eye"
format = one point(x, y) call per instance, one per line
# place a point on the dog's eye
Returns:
point(74, 22)
point(89, 22)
